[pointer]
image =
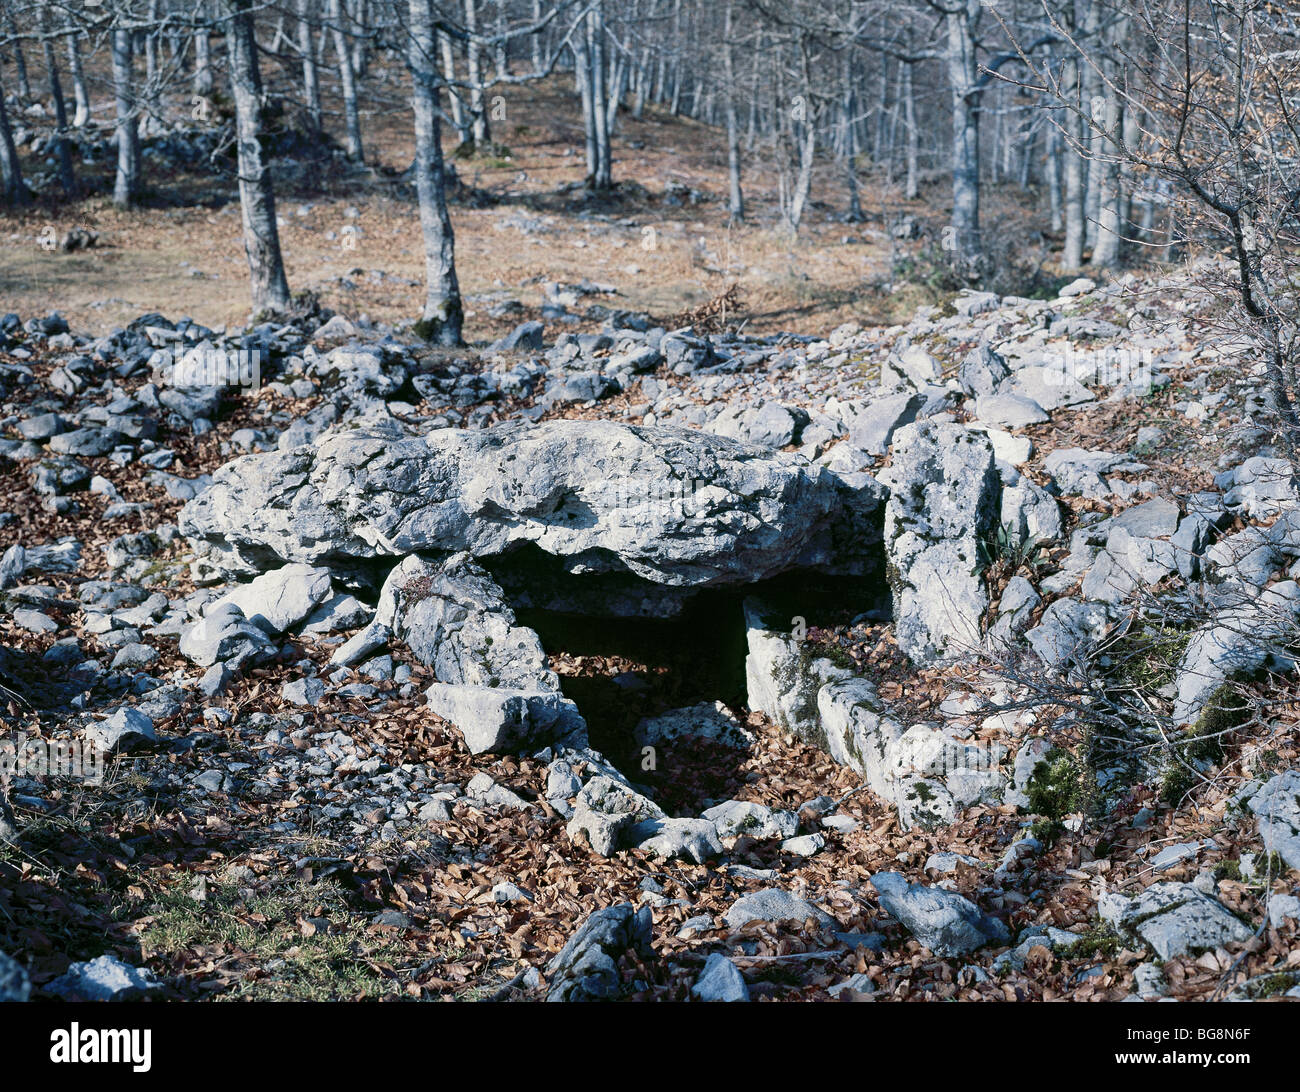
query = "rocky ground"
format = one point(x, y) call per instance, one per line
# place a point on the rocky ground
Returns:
point(947, 660)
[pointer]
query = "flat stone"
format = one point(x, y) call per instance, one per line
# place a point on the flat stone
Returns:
point(106, 978)
point(1174, 919)
point(672, 506)
point(277, 601)
point(124, 729)
point(773, 904)
point(307, 691)
point(1009, 410)
point(1154, 519)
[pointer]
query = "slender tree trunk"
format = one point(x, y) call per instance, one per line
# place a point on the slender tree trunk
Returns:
point(736, 199)
point(20, 59)
point(310, 76)
point(502, 47)
point(11, 172)
point(148, 121)
point(752, 126)
point(535, 39)
point(603, 178)
point(127, 181)
point(1105, 253)
point(803, 181)
point(1147, 227)
point(151, 49)
point(642, 82)
point(442, 318)
point(912, 186)
point(482, 134)
point(256, 194)
point(459, 117)
point(360, 20)
point(1132, 139)
point(675, 69)
point(347, 78)
point(1072, 254)
point(617, 84)
point(962, 77)
point(203, 79)
point(1094, 105)
point(64, 150)
point(882, 111)
point(582, 73)
point(1053, 168)
point(80, 95)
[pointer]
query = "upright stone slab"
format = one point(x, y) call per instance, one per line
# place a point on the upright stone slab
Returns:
point(942, 511)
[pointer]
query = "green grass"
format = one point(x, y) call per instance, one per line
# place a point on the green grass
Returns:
point(1059, 786)
point(1148, 661)
point(347, 960)
point(1100, 940)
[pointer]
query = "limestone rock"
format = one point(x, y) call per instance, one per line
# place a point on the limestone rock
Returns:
point(587, 967)
point(773, 904)
point(720, 980)
point(946, 923)
point(943, 504)
point(277, 601)
point(672, 506)
point(1173, 918)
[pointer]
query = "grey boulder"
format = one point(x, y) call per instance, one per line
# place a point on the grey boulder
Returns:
point(106, 978)
point(225, 636)
point(587, 967)
point(670, 505)
point(943, 504)
point(277, 601)
point(693, 840)
point(1174, 918)
point(606, 813)
point(773, 904)
point(126, 728)
point(495, 720)
point(945, 922)
point(455, 619)
point(720, 980)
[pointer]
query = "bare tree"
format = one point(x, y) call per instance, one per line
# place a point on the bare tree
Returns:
point(127, 180)
point(203, 79)
point(63, 149)
point(310, 79)
point(11, 173)
point(256, 194)
point(1214, 86)
point(443, 315)
point(348, 83)
point(735, 197)
point(81, 96)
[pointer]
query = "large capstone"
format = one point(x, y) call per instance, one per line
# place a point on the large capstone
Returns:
point(672, 506)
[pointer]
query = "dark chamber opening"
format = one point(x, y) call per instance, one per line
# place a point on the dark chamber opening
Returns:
point(696, 654)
